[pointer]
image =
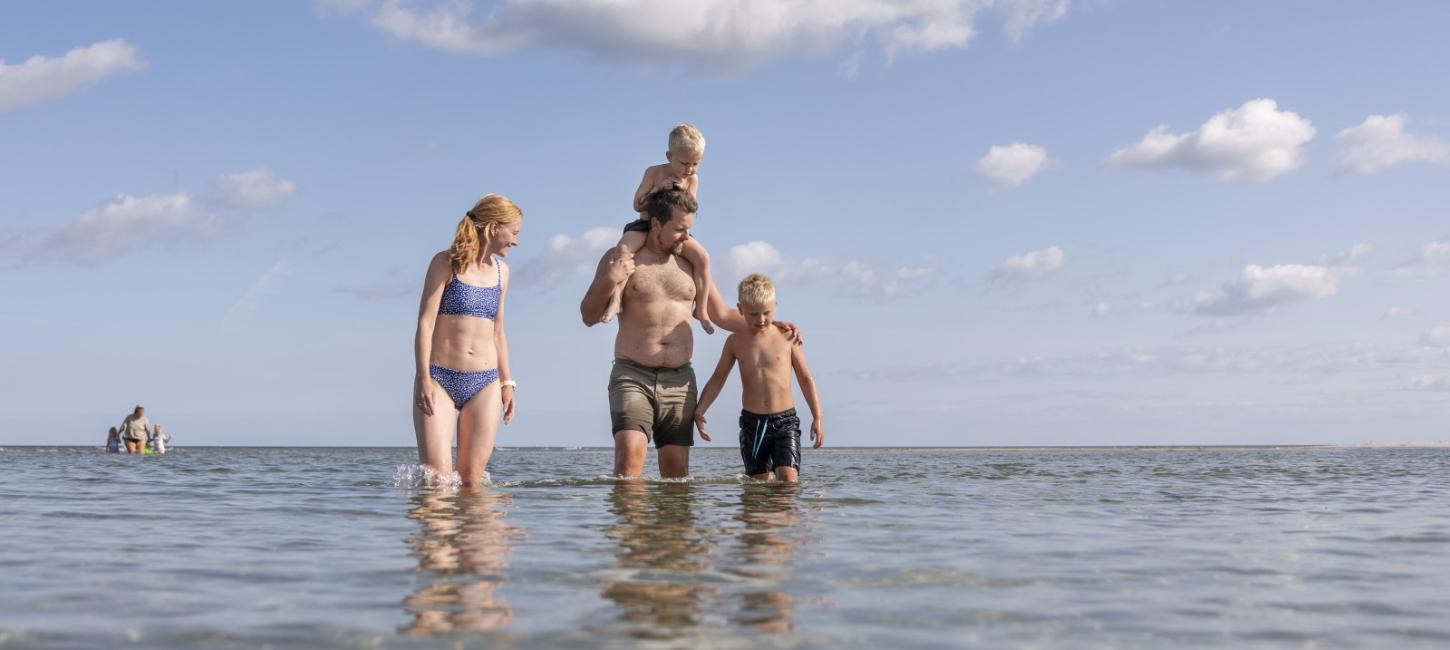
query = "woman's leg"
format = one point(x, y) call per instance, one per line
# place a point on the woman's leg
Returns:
point(435, 432)
point(477, 426)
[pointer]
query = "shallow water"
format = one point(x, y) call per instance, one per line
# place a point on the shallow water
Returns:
point(1121, 548)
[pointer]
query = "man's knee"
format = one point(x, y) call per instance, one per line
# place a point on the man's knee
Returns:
point(674, 461)
point(630, 446)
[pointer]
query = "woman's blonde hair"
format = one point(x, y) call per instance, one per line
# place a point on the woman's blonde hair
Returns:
point(756, 290)
point(478, 228)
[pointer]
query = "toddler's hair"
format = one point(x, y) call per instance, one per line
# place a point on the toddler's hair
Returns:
point(685, 137)
point(756, 290)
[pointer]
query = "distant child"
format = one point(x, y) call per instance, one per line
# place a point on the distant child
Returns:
point(686, 148)
point(113, 441)
point(158, 441)
point(770, 432)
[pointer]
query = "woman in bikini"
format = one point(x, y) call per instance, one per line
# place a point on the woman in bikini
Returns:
point(463, 381)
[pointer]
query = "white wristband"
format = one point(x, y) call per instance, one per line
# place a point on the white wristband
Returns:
point(510, 383)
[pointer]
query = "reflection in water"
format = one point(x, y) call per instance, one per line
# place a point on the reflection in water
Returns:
point(464, 542)
point(661, 552)
point(767, 510)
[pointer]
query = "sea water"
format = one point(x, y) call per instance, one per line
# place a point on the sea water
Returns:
point(1113, 548)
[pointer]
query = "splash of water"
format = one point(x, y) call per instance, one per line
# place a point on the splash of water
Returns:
point(422, 476)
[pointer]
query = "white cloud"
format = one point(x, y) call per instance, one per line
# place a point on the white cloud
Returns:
point(1437, 337)
point(1100, 309)
point(129, 222)
point(566, 257)
point(1396, 312)
point(254, 188)
point(1025, 14)
point(1261, 288)
point(40, 78)
point(862, 277)
point(1343, 257)
point(1425, 261)
point(1381, 141)
point(1032, 265)
point(248, 303)
point(705, 34)
point(1429, 382)
point(1008, 166)
point(1254, 142)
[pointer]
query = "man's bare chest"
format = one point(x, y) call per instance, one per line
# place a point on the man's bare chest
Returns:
point(662, 281)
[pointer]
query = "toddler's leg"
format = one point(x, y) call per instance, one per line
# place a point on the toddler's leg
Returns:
point(698, 258)
point(630, 243)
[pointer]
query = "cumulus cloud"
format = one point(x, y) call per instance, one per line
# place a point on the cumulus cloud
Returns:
point(1255, 142)
point(1032, 265)
point(1425, 261)
point(1025, 14)
point(704, 34)
point(1351, 254)
point(1437, 337)
point(1262, 288)
point(1381, 141)
point(566, 256)
point(1099, 310)
point(862, 278)
point(126, 223)
point(41, 78)
point(254, 188)
point(1008, 166)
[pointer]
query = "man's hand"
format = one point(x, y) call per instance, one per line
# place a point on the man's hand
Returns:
point(791, 332)
point(621, 267)
point(818, 434)
point(700, 425)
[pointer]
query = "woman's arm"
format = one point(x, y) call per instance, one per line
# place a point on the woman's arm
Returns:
point(501, 347)
point(439, 270)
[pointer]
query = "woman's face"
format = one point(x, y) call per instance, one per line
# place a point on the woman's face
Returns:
point(505, 236)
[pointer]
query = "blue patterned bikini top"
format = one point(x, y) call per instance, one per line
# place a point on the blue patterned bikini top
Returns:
point(462, 299)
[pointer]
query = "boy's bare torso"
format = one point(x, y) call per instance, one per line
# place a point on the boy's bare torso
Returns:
point(765, 370)
point(657, 177)
point(654, 318)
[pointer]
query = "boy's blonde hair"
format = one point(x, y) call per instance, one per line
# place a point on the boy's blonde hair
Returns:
point(685, 137)
point(756, 290)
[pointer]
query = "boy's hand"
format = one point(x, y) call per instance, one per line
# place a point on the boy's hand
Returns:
point(818, 434)
point(667, 183)
point(621, 267)
point(700, 425)
point(791, 332)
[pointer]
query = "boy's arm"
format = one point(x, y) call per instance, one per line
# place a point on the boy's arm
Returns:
point(808, 388)
point(646, 187)
point(612, 271)
point(713, 386)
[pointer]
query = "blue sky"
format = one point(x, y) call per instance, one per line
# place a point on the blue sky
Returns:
point(1018, 222)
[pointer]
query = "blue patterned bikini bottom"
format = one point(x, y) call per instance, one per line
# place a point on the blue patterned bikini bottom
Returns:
point(462, 386)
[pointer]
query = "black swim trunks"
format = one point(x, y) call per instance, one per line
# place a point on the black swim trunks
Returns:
point(638, 225)
point(770, 441)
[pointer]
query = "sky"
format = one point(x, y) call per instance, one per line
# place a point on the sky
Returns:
point(1020, 222)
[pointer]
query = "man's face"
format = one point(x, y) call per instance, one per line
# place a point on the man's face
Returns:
point(758, 317)
point(673, 235)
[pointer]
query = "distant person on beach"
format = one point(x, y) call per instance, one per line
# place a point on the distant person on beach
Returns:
point(158, 441)
point(462, 381)
point(686, 149)
point(652, 387)
point(770, 431)
point(113, 441)
point(135, 429)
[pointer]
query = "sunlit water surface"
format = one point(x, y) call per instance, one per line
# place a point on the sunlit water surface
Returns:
point(1122, 548)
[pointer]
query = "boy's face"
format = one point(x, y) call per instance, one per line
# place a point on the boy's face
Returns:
point(684, 162)
point(758, 317)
